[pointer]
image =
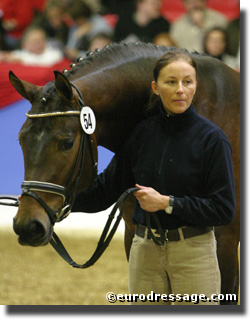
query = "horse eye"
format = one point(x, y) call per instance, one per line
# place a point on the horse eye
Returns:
point(65, 145)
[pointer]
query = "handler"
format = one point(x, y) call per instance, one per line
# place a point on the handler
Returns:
point(182, 165)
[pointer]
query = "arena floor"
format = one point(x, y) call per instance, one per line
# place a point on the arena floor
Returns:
point(38, 276)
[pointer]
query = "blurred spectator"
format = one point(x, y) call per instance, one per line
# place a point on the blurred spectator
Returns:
point(34, 51)
point(215, 44)
point(233, 33)
point(188, 31)
point(100, 41)
point(17, 16)
point(52, 21)
point(120, 8)
point(86, 26)
point(143, 24)
point(164, 39)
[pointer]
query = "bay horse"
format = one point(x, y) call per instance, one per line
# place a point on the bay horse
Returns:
point(115, 82)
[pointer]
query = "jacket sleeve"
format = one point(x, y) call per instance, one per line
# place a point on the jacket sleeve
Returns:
point(110, 184)
point(218, 204)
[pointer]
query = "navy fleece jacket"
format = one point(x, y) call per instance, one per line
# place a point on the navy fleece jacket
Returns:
point(186, 156)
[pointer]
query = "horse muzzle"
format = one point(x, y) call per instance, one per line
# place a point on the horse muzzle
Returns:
point(33, 233)
point(31, 224)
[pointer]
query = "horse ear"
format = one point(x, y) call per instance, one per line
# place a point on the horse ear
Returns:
point(24, 88)
point(63, 86)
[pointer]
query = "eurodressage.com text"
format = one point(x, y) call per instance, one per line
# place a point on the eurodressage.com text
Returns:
point(155, 297)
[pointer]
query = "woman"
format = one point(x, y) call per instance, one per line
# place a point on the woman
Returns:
point(216, 45)
point(35, 50)
point(182, 165)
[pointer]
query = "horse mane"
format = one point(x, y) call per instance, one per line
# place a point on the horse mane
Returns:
point(109, 57)
point(114, 55)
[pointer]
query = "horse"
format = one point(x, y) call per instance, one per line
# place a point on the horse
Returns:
point(115, 82)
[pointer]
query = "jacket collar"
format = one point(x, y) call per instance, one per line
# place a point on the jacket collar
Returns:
point(182, 117)
point(179, 120)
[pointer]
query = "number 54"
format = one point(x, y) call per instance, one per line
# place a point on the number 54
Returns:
point(87, 121)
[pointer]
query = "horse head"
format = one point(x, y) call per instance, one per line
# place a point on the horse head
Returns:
point(54, 148)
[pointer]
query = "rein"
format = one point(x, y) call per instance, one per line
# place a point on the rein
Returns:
point(104, 240)
point(30, 188)
point(105, 237)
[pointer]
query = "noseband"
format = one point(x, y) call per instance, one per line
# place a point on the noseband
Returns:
point(30, 188)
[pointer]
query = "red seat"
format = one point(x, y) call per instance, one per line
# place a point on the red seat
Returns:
point(174, 9)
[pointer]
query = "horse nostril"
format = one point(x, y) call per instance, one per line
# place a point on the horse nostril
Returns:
point(32, 233)
point(35, 229)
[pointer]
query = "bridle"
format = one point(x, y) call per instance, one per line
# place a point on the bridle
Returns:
point(30, 188)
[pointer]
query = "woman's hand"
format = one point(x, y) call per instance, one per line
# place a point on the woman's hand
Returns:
point(150, 200)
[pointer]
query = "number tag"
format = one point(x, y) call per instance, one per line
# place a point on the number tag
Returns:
point(87, 119)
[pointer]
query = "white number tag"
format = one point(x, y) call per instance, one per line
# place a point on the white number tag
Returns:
point(87, 119)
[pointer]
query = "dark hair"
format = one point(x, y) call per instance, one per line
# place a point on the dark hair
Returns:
point(54, 3)
point(175, 54)
point(29, 30)
point(171, 56)
point(78, 9)
point(223, 31)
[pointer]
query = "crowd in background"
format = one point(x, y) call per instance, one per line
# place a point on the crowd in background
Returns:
point(41, 32)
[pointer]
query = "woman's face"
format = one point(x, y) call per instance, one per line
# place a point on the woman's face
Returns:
point(176, 86)
point(215, 44)
point(35, 42)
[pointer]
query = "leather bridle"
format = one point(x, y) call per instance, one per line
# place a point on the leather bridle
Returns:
point(30, 188)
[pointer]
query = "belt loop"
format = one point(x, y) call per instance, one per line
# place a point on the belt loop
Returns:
point(181, 234)
point(146, 234)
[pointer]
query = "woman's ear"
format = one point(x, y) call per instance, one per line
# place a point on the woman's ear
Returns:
point(154, 88)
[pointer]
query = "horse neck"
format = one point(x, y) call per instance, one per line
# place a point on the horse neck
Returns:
point(117, 104)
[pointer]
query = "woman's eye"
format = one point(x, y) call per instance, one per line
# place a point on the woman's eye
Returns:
point(65, 145)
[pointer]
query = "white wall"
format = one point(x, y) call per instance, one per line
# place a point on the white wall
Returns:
point(77, 220)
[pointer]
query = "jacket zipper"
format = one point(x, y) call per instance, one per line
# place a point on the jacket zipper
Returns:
point(163, 155)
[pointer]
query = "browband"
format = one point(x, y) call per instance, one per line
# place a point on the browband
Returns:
point(52, 114)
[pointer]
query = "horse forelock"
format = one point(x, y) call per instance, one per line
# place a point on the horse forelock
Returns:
point(49, 90)
point(53, 103)
point(48, 100)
